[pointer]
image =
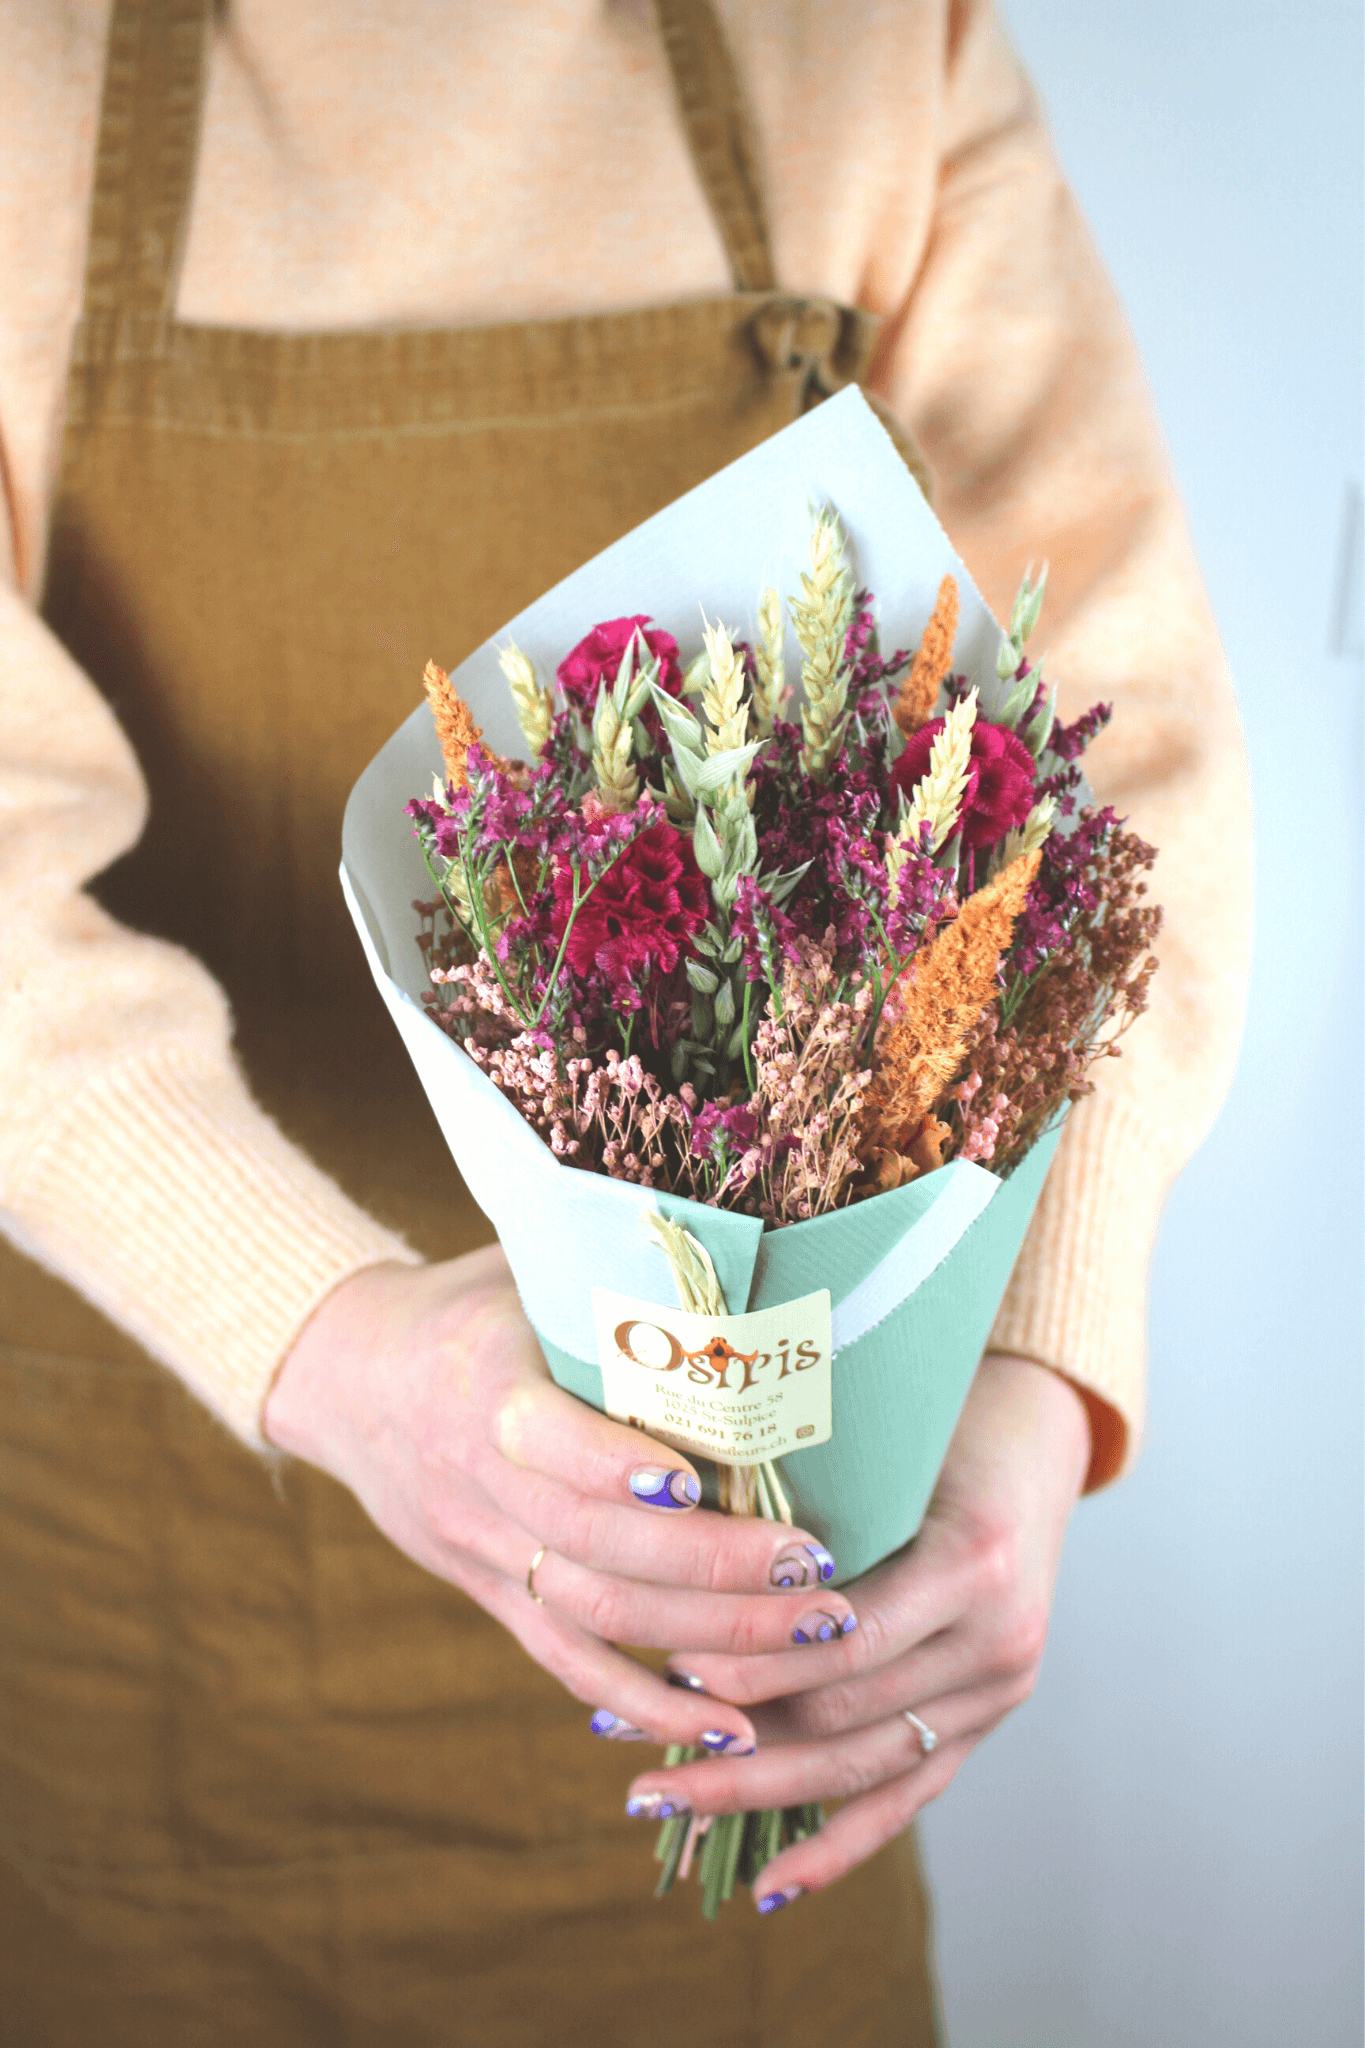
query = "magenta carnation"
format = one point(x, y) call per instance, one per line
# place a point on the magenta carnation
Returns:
point(643, 911)
point(1000, 779)
point(598, 657)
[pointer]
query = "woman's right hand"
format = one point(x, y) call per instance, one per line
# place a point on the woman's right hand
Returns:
point(424, 1390)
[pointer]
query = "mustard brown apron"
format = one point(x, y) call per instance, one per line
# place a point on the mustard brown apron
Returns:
point(262, 1779)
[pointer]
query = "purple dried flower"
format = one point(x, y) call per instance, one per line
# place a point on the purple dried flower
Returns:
point(1068, 742)
point(769, 935)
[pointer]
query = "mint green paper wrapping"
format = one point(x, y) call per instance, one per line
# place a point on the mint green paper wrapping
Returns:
point(898, 1390)
point(916, 1276)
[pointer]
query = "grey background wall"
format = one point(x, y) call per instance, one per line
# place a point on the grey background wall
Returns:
point(1163, 1849)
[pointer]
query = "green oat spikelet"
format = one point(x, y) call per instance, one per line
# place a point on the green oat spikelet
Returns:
point(613, 738)
point(722, 697)
point(770, 691)
point(535, 706)
point(1030, 835)
point(821, 617)
point(937, 796)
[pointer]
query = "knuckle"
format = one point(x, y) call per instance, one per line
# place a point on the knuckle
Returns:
point(507, 1420)
point(871, 1643)
point(491, 1348)
point(743, 1634)
point(1020, 1643)
point(827, 1712)
point(444, 1518)
point(733, 1682)
point(992, 1563)
point(601, 1607)
point(854, 1774)
point(716, 1567)
point(578, 1532)
point(749, 1627)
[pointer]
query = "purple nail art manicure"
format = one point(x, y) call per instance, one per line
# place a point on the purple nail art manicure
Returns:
point(659, 1486)
point(805, 1564)
point(654, 1806)
point(774, 1900)
point(610, 1725)
point(822, 1628)
point(684, 1681)
point(718, 1741)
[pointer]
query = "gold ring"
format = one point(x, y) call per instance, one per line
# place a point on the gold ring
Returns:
point(538, 1559)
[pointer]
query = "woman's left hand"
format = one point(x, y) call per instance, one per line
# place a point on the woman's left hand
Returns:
point(952, 1628)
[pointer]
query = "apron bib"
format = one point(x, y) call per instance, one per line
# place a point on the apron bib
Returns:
point(263, 1779)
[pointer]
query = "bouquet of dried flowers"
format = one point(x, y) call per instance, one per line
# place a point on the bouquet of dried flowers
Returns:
point(779, 962)
point(781, 965)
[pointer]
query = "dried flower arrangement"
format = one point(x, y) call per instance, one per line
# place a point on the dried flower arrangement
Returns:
point(782, 965)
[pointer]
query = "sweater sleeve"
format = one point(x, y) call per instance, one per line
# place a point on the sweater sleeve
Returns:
point(134, 1162)
point(1011, 361)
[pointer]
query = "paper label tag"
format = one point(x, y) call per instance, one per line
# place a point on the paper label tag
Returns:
point(737, 1389)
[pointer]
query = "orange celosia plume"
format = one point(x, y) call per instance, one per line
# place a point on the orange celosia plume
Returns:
point(919, 692)
point(944, 991)
point(455, 727)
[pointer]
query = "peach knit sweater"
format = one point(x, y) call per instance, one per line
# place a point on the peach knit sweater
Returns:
point(449, 163)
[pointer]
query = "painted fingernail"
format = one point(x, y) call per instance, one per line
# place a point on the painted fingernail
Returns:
point(773, 1900)
point(719, 1741)
point(684, 1681)
point(654, 1806)
point(658, 1486)
point(610, 1725)
point(805, 1564)
point(823, 1628)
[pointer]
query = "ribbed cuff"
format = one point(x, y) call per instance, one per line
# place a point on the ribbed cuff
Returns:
point(170, 1199)
point(1077, 1300)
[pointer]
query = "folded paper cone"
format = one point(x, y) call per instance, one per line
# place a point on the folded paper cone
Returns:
point(915, 1277)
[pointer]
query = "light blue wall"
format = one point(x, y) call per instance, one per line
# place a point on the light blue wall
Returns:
point(1162, 1850)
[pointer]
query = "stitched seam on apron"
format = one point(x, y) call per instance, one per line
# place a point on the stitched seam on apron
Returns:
point(398, 430)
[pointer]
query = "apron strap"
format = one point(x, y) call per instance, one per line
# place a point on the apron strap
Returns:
point(717, 125)
point(144, 160)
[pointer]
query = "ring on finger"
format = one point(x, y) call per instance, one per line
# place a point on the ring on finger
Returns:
point(928, 1741)
point(538, 1559)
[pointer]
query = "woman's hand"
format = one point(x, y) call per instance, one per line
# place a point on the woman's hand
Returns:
point(425, 1392)
point(952, 1628)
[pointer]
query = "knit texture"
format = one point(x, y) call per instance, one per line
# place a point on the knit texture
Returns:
point(202, 1231)
point(1105, 1182)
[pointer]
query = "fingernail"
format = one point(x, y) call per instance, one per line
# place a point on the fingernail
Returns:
point(654, 1806)
point(718, 1741)
point(684, 1681)
point(657, 1486)
point(772, 1900)
point(823, 1628)
point(805, 1564)
point(610, 1725)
